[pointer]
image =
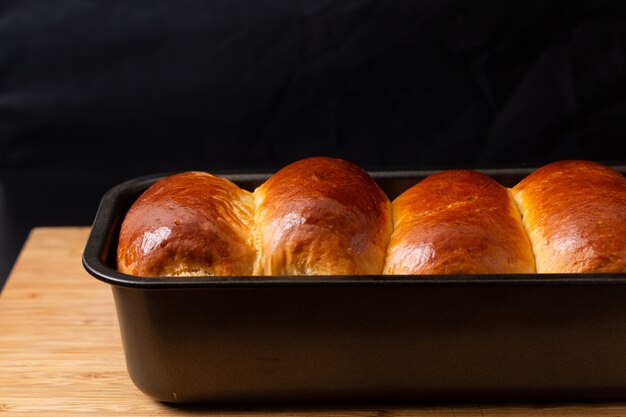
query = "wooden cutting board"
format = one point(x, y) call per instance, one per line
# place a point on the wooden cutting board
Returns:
point(61, 354)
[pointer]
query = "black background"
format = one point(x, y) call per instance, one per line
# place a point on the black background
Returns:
point(93, 93)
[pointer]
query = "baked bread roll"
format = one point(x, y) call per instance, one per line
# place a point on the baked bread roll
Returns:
point(190, 224)
point(457, 222)
point(321, 216)
point(575, 215)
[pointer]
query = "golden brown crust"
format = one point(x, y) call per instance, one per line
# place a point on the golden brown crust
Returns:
point(575, 215)
point(457, 222)
point(188, 224)
point(321, 216)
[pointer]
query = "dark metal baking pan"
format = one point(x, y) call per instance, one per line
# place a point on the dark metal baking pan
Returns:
point(364, 338)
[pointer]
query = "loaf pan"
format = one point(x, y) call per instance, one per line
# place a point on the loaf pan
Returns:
point(364, 338)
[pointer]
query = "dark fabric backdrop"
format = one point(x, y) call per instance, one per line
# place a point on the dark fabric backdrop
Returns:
point(95, 92)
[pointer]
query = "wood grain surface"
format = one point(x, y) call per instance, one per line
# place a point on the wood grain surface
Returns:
point(61, 354)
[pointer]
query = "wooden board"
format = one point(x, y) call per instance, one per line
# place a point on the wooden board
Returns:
point(61, 354)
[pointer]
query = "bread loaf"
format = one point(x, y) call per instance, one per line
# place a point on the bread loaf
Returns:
point(321, 216)
point(575, 215)
point(190, 224)
point(325, 216)
point(457, 222)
